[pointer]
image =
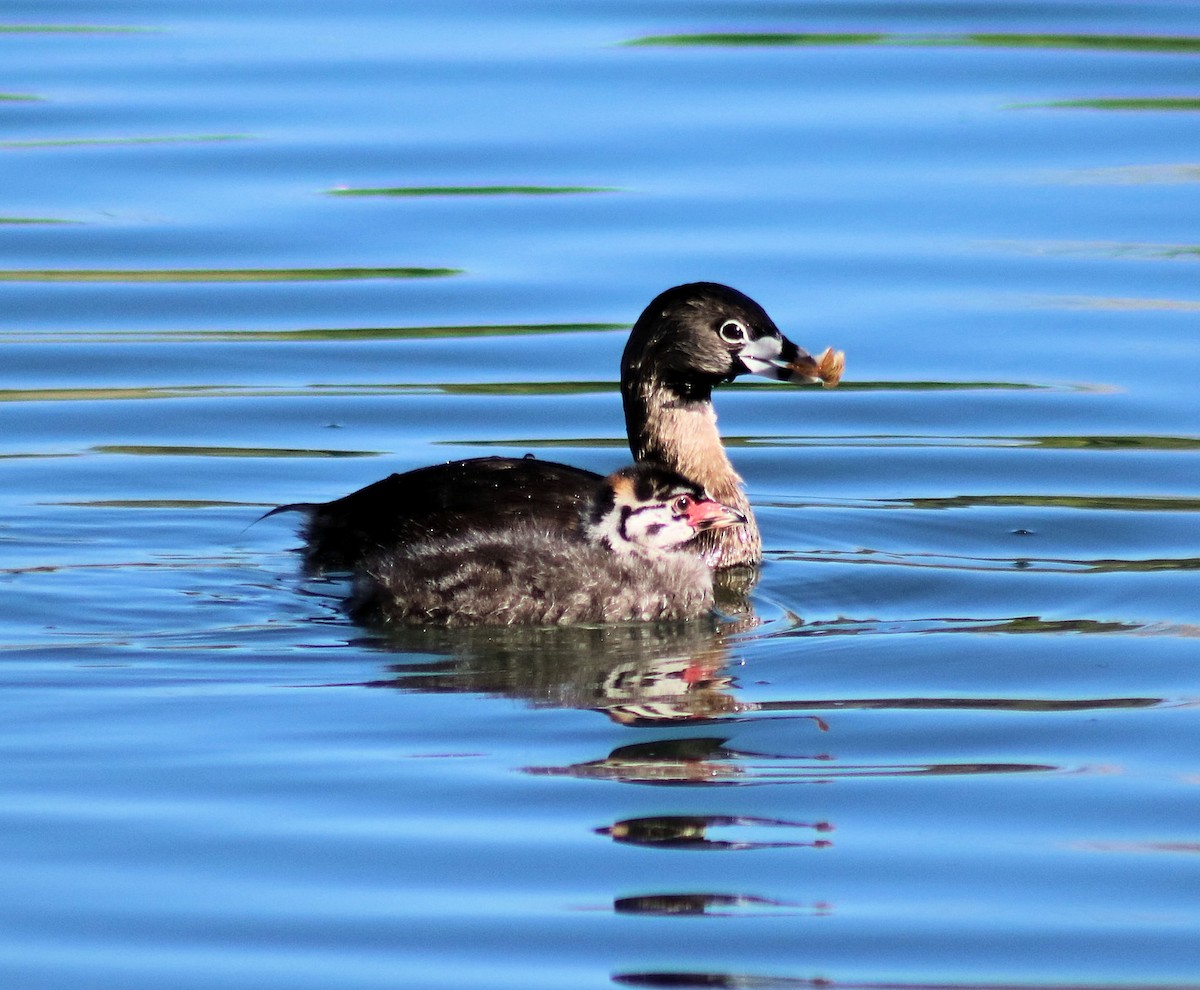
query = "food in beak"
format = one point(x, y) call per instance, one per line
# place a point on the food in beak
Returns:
point(827, 368)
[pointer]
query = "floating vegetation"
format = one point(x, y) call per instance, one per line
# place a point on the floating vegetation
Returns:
point(1104, 503)
point(69, 29)
point(19, 98)
point(1119, 304)
point(319, 335)
point(33, 220)
point(1108, 249)
point(159, 503)
point(470, 190)
point(1024, 563)
point(319, 388)
point(391, 333)
point(1161, 44)
point(899, 386)
point(519, 388)
point(1115, 443)
point(1170, 44)
point(105, 142)
point(758, 39)
point(127, 394)
point(1130, 175)
point(220, 274)
point(1053, 443)
point(188, 451)
point(1171, 103)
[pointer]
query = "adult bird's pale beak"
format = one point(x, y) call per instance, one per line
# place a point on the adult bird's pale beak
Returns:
point(779, 358)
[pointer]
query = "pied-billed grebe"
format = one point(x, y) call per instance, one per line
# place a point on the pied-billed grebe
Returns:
point(626, 562)
point(687, 341)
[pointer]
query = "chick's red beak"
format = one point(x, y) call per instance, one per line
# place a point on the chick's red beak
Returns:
point(709, 514)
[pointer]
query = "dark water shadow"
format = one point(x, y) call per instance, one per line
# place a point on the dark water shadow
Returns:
point(428, 191)
point(941, 561)
point(1151, 44)
point(709, 762)
point(687, 980)
point(844, 626)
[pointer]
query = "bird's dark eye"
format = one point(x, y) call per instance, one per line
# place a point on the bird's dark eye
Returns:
point(681, 505)
point(732, 332)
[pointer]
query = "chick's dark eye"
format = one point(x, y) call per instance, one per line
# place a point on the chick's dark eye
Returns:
point(732, 332)
point(681, 504)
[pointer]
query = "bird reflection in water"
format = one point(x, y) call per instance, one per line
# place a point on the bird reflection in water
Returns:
point(690, 760)
point(635, 673)
point(695, 832)
point(715, 905)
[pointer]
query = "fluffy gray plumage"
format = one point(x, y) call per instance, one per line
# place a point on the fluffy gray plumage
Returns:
point(529, 576)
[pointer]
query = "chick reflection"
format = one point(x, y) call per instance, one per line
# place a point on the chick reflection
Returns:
point(668, 689)
point(694, 832)
point(638, 673)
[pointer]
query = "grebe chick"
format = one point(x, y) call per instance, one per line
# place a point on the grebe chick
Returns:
point(627, 561)
point(689, 340)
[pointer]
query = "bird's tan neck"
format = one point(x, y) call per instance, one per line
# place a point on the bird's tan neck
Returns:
point(682, 434)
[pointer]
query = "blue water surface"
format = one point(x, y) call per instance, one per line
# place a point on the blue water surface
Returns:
point(267, 252)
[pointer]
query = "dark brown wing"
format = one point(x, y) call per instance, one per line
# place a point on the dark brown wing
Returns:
point(481, 494)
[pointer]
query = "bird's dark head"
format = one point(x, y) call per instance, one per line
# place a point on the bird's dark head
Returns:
point(695, 336)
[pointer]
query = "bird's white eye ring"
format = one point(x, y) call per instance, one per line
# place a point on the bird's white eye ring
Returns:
point(732, 332)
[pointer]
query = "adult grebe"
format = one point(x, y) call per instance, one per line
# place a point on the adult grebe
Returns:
point(687, 341)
